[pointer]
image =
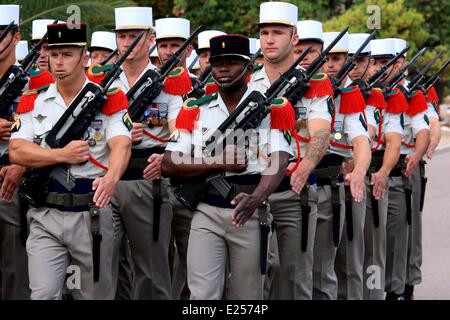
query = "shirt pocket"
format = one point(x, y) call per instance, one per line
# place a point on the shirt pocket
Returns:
point(41, 130)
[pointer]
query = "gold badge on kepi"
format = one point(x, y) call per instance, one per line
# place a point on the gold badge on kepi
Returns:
point(127, 121)
point(16, 125)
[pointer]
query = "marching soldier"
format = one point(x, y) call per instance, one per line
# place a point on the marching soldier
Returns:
point(350, 254)
point(349, 139)
point(226, 230)
point(13, 258)
point(385, 128)
point(203, 49)
point(294, 203)
point(142, 199)
point(64, 229)
point(102, 45)
point(415, 141)
point(38, 30)
point(171, 33)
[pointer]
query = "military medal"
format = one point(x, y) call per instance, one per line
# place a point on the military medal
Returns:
point(337, 136)
point(92, 142)
point(98, 136)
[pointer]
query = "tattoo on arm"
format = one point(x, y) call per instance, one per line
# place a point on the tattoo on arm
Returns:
point(317, 146)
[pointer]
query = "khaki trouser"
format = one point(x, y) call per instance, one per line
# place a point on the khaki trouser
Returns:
point(324, 276)
point(181, 225)
point(397, 238)
point(290, 269)
point(14, 282)
point(349, 262)
point(413, 272)
point(61, 242)
point(213, 241)
point(375, 247)
point(133, 200)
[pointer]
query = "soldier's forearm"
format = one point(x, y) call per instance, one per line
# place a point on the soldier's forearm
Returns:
point(435, 130)
point(317, 146)
point(422, 142)
point(361, 154)
point(185, 166)
point(391, 152)
point(28, 154)
point(119, 157)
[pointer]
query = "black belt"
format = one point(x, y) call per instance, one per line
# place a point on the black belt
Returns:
point(242, 183)
point(138, 162)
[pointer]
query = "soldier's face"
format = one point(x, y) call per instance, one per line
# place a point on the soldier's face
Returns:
point(99, 55)
point(203, 59)
point(167, 47)
point(125, 38)
point(316, 49)
point(226, 70)
point(360, 69)
point(67, 63)
point(277, 42)
point(378, 64)
point(335, 62)
point(8, 45)
point(399, 64)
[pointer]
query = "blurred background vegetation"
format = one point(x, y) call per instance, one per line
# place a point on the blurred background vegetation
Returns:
point(420, 22)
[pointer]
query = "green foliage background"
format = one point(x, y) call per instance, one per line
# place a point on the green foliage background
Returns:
point(420, 22)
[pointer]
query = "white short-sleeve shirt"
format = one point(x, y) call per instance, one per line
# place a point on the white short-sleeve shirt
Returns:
point(48, 109)
point(262, 142)
point(165, 106)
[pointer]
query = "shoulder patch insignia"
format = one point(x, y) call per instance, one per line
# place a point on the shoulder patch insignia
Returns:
point(127, 121)
point(330, 105)
point(363, 121)
point(17, 124)
point(427, 120)
point(174, 136)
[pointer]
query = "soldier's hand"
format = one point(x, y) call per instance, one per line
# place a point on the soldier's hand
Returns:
point(431, 148)
point(379, 181)
point(5, 129)
point(104, 188)
point(412, 160)
point(234, 159)
point(246, 205)
point(153, 170)
point(300, 176)
point(10, 176)
point(137, 133)
point(76, 152)
point(357, 186)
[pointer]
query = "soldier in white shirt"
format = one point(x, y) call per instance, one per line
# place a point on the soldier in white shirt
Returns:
point(401, 208)
point(293, 204)
point(13, 226)
point(349, 140)
point(227, 230)
point(140, 191)
point(384, 122)
point(65, 228)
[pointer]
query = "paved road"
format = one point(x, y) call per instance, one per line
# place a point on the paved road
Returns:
point(436, 231)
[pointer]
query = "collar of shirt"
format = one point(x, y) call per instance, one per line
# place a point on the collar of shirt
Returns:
point(123, 78)
point(347, 82)
point(261, 75)
point(221, 104)
point(53, 93)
